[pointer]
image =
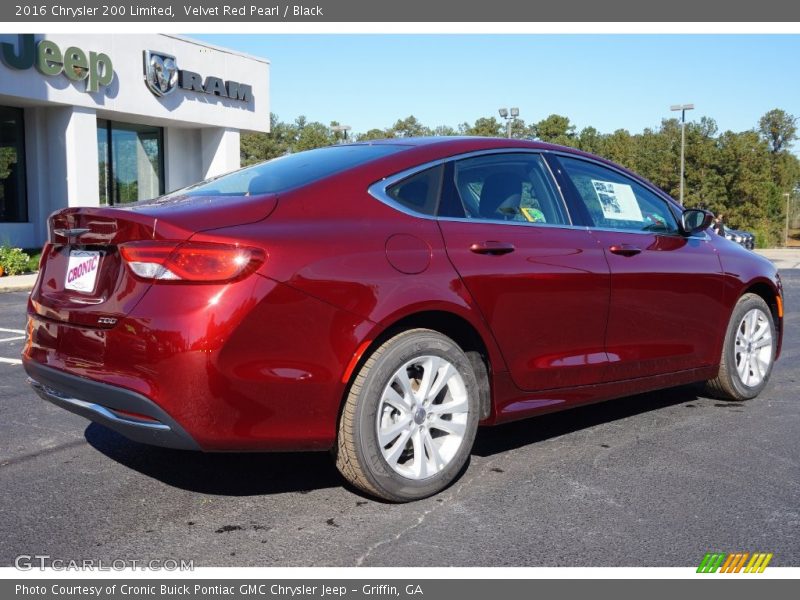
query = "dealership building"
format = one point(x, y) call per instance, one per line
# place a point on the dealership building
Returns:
point(90, 120)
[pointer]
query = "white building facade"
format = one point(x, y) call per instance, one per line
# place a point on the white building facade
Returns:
point(90, 120)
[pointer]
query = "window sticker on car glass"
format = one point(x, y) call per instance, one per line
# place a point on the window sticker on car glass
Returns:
point(617, 201)
point(534, 215)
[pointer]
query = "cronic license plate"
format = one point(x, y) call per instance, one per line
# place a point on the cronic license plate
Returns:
point(82, 270)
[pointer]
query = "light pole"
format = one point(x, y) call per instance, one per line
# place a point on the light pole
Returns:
point(341, 129)
point(509, 117)
point(683, 108)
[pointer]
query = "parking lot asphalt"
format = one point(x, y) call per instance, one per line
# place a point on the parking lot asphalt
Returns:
point(652, 480)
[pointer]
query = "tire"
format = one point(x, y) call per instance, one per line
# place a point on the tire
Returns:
point(397, 443)
point(747, 356)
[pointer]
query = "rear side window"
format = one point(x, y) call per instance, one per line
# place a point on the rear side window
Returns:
point(508, 187)
point(420, 192)
point(618, 202)
point(288, 172)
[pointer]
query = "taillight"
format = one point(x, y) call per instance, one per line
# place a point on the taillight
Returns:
point(201, 262)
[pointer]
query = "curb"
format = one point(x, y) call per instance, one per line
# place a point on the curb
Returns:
point(17, 283)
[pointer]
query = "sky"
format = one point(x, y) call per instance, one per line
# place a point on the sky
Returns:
point(606, 81)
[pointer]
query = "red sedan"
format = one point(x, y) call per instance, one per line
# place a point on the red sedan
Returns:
point(381, 300)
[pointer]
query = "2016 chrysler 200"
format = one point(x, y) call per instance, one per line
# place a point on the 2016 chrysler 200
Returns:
point(381, 300)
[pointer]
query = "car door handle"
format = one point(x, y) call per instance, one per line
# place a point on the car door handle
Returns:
point(492, 247)
point(624, 250)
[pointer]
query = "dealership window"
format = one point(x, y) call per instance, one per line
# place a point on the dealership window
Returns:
point(13, 197)
point(131, 161)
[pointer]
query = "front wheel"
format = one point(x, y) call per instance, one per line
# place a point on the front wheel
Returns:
point(748, 353)
point(410, 419)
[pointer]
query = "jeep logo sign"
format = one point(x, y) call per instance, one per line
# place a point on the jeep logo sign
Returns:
point(162, 76)
point(76, 65)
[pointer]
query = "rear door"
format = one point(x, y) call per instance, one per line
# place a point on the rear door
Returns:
point(541, 284)
point(666, 288)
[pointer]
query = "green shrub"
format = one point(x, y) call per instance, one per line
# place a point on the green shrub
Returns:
point(33, 262)
point(35, 255)
point(13, 260)
point(766, 235)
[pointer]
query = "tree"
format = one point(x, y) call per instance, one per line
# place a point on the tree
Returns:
point(704, 184)
point(284, 138)
point(520, 130)
point(590, 140)
point(444, 131)
point(658, 156)
point(620, 147)
point(779, 129)
point(313, 135)
point(786, 171)
point(8, 158)
point(257, 147)
point(743, 175)
point(375, 134)
point(409, 127)
point(555, 129)
point(747, 173)
point(485, 127)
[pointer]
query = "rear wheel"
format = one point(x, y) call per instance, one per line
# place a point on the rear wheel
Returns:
point(748, 352)
point(410, 418)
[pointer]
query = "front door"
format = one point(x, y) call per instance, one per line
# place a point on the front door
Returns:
point(666, 288)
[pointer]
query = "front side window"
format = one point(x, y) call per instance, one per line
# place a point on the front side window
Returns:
point(13, 199)
point(508, 187)
point(617, 202)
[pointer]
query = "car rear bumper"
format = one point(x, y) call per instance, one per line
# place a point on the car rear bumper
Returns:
point(249, 366)
point(124, 411)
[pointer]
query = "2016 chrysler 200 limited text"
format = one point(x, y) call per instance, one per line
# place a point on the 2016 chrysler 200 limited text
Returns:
point(381, 300)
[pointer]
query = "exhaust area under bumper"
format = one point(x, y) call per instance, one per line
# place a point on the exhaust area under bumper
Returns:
point(124, 411)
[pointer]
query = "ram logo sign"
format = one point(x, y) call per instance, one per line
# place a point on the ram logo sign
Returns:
point(162, 76)
point(160, 72)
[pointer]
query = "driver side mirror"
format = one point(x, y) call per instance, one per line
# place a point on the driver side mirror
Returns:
point(695, 220)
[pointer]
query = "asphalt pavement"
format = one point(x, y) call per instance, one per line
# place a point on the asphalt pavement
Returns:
point(652, 480)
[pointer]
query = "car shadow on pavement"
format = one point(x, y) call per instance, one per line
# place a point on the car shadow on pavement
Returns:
point(222, 473)
point(250, 474)
point(494, 440)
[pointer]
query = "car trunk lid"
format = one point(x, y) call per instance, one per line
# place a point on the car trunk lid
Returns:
point(83, 279)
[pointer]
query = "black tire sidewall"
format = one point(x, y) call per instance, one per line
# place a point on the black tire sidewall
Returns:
point(380, 474)
point(744, 306)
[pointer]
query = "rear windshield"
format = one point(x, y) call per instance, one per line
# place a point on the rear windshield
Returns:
point(289, 171)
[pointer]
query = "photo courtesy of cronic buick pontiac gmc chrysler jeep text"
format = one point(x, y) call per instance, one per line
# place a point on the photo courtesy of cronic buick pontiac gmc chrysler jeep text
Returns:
point(381, 300)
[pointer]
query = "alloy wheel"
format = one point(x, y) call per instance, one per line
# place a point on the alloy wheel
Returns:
point(422, 417)
point(753, 350)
